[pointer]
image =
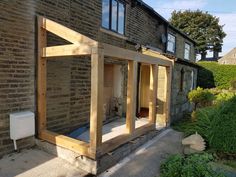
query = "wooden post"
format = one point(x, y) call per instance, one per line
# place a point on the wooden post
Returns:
point(42, 77)
point(153, 93)
point(131, 96)
point(168, 79)
point(96, 111)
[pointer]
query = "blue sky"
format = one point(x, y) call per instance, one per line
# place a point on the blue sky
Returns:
point(224, 9)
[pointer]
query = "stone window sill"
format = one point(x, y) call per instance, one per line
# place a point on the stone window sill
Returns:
point(113, 33)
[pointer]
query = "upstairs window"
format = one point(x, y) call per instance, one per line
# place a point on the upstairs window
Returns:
point(171, 43)
point(186, 51)
point(113, 15)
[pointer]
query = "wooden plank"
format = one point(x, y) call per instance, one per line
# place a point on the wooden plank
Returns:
point(67, 50)
point(131, 96)
point(168, 94)
point(125, 54)
point(114, 143)
point(41, 79)
point(96, 111)
point(66, 33)
point(66, 142)
point(153, 93)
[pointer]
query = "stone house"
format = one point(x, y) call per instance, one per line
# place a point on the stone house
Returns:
point(229, 58)
point(128, 24)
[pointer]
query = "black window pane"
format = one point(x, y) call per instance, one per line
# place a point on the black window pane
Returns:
point(105, 13)
point(114, 15)
point(121, 18)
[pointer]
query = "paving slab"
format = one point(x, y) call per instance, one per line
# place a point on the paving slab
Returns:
point(146, 161)
point(37, 163)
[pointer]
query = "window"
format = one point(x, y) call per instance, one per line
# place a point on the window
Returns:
point(171, 43)
point(113, 15)
point(186, 51)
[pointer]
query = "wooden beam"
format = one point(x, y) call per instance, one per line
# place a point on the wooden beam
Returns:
point(153, 93)
point(114, 143)
point(66, 33)
point(131, 96)
point(120, 53)
point(67, 50)
point(168, 79)
point(66, 142)
point(41, 79)
point(96, 111)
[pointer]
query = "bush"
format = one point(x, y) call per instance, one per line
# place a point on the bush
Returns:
point(224, 96)
point(212, 74)
point(201, 97)
point(190, 166)
point(216, 124)
point(233, 83)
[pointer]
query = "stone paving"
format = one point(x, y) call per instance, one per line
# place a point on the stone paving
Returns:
point(37, 163)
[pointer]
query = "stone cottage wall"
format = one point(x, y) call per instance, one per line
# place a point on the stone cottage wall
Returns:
point(179, 99)
point(18, 46)
point(68, 78)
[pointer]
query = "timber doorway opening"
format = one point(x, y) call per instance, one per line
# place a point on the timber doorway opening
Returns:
point(102, 88)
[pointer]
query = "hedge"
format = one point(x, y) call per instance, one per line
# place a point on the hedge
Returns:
point(212, 74)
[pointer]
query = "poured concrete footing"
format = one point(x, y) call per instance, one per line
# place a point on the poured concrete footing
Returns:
point(102, 163)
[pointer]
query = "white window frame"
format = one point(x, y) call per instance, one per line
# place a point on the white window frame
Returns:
point(187, 50)
point(171, 43)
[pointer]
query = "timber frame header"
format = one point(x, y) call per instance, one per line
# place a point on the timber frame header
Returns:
point(82, 45)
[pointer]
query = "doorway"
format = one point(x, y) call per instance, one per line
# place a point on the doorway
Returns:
point(144, 91)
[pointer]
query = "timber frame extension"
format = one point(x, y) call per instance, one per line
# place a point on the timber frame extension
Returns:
point(82, 45)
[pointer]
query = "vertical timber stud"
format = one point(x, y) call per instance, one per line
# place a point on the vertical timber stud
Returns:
point(153, 93)
point(168, 79)
point(42, 73)
point(131, 96)
point(96, 111)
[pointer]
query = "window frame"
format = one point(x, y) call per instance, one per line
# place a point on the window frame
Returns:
point(117, 17)
point(170, 34)
point(185, 44)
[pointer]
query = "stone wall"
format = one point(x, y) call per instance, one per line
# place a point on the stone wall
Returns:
point(179, 99)
point(68, 78)
point(18, 52)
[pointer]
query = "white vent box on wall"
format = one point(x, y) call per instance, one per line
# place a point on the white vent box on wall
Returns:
point(22, 125)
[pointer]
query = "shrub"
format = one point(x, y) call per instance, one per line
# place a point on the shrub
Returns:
point(190, 166)
point(224, 96)
point(216, 124)
point(200, 97)
point(212, 74)
point(233, 83)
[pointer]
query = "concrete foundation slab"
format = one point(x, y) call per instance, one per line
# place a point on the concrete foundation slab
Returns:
point(37, 163)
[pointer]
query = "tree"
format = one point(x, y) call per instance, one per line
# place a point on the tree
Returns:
point(202, 27)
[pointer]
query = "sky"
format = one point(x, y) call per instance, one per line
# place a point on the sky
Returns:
point(224, 9)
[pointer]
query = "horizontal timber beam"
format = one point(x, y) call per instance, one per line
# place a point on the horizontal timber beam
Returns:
point(66, 50)
point(117, 52)
point(66, 142)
